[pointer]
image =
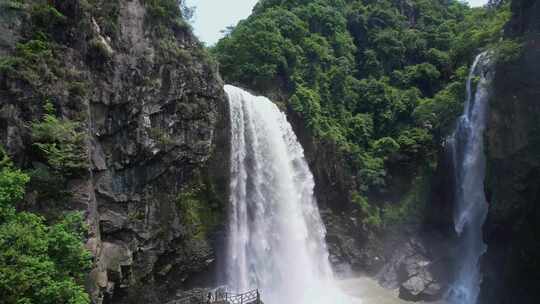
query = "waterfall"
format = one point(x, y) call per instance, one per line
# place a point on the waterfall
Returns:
point(467, 148)
point(276, 238)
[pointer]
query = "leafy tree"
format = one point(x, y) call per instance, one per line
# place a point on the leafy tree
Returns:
point(308, 103)
point(385, 146)
point(12, 187)
point(38, 263)
point(378, 78)
point(60, 142)
point(361, 128)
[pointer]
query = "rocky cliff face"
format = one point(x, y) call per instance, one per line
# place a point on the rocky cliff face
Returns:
point(153, 177)
point(346, 237)
point(511, 267)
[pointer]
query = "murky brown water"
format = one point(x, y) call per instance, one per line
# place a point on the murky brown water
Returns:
point(369, 291)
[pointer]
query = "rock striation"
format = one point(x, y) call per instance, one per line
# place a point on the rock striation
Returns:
point(150, 104)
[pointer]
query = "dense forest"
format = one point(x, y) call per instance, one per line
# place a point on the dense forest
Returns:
point(384, 80)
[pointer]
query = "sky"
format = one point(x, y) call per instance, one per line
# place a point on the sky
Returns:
point(212, 16)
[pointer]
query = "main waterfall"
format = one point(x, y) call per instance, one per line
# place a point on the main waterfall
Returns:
point(467, 148)
point(276, 236)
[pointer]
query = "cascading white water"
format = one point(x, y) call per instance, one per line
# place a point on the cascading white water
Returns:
point(276, 235)
point(467, 147)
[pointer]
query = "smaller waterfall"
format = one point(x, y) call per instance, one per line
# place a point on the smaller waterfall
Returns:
point(467, 148)
point(276, 236)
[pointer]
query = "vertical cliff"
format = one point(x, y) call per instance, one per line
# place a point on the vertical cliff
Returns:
point(512, 232)
point(146, 156)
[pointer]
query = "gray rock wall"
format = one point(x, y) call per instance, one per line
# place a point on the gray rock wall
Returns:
point(512, 231)
point(155, 119)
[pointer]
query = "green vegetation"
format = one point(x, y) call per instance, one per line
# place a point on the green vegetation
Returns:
point(34, 59)
point(60, 142)
point(385, 80)
point(169, 9)
point(106, 13)
point(165, 16)
point(12, 186)
point(166, 20)
point(35, 70)
point(199, 206)
point(371, 214)
point(412, 204)
point(45, 16)
point(29, 62)
point(39, 263)
point(507, 51)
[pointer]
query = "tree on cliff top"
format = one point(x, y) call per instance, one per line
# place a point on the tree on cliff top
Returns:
point(362, 72)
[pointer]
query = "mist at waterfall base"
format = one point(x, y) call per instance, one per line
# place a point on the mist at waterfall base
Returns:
point(466, 146)
point(276, 238)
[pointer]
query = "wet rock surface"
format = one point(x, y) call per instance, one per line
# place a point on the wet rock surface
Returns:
point(510, 266)
point(417, 266)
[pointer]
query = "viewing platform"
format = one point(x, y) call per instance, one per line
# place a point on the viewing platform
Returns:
point(218, 297)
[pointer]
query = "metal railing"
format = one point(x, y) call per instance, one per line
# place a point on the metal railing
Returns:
point(250, 297)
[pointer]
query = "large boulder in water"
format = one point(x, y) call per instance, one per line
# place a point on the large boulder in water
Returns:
point(421, 284)
point(417, 267)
